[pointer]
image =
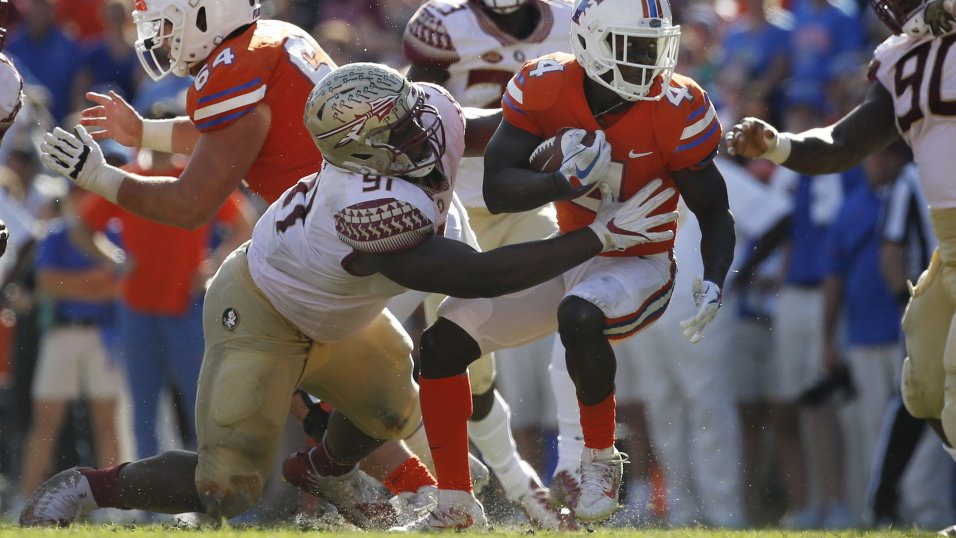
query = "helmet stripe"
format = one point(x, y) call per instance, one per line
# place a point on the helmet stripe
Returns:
point(651, 9)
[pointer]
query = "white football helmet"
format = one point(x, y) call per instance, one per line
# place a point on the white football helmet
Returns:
point(600, 27)
point(504, 6)
point(370, 119)
point(193, 28)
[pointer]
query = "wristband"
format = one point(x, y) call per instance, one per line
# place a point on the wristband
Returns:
point(107, 182)
point(780, 151)
point(158, 135)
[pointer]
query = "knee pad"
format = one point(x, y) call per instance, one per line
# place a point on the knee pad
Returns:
point(481, 374)
point(227, 482)
point(577, 315)
point(926, 325)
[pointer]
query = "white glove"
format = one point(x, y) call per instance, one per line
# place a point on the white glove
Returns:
point(707, 300)
point(81, 160)
point(620, 226)
point(583, 166)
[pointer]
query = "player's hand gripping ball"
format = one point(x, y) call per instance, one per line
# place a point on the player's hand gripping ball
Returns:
point(578, 159)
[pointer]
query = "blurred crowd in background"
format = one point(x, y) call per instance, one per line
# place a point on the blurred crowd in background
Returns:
point(716, 437)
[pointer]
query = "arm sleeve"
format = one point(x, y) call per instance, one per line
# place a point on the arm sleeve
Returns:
point(231, 90)
point(695, 130)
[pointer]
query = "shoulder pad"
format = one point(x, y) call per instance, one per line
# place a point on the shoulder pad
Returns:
point(538, 84)
point(383, 226)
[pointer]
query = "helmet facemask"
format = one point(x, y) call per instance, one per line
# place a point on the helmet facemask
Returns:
point(603, 31)
point(153, 29)
point(896, 14)
point(416, 141)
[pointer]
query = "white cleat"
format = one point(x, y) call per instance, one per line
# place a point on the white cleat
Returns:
point(412, 507)
point(534, 500)
point(601, 474)
point(454, 510)
point(59, 501)
point(948, 531)
point(566, 489)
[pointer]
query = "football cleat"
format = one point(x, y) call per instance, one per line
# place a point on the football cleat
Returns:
point(601, 476)
point(59, 501)
point(358, 497)
point(566, 490)
point(413, 506)
point(454, 510)
point(534, 500)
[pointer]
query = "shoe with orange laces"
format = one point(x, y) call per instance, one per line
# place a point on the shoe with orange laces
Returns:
point(358, 497)
point(455, 510)
point(566, 490)
point(59, 501)
point(601, 474)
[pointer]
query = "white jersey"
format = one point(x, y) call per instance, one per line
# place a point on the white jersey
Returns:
point(457, 36)
point(920, 74)
point(303, 241)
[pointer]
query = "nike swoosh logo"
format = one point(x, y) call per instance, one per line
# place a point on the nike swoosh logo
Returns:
point(633, 155)
point(584, 173)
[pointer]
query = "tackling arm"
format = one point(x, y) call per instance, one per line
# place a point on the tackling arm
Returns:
point(705, 193)
point(441, 265)
point(509, 185)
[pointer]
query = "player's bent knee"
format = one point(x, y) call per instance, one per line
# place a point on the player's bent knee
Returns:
point(391, 426)
point(447, 350)
point(579, 318)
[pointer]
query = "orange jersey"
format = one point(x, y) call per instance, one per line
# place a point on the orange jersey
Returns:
point(165, 259)
point(275, 63)
point(649, 139)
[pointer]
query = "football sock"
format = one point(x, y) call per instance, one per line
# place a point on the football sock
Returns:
point(492, 435)
point(417, 442)
point(324, 464)
point(409, 476)
point(104, 487)
point(597, 422)
point(446, 407)
point(570, 437)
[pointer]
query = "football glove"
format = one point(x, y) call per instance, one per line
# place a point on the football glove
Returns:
point(707, 300)
point(583, 166)
point(80, 159)
point(621, 226)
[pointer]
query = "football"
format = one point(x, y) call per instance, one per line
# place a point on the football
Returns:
point(547, 157)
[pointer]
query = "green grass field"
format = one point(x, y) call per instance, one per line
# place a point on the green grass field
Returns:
point(155, 531)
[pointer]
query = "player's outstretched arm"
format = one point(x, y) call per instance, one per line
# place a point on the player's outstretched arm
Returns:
point(454, 268)
point(866, 129)
point(480, 125)
point(220, 161)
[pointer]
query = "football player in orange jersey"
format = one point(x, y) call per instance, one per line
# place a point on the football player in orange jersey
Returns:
point(659, 125)
point(251, 79)
point(472, 48)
